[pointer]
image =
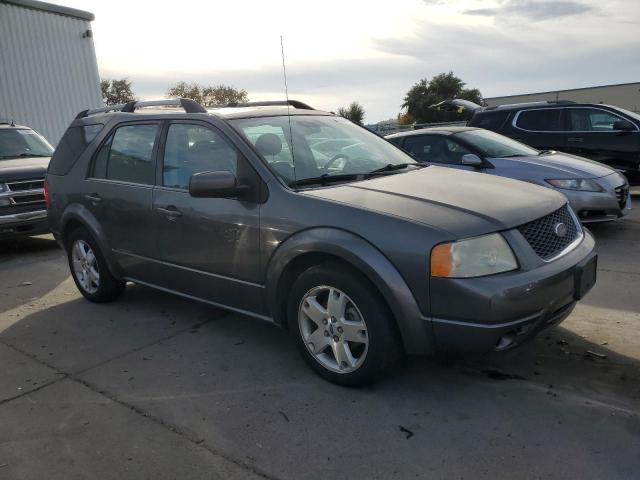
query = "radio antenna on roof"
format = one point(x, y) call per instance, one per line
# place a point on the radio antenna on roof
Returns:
point(286, 93)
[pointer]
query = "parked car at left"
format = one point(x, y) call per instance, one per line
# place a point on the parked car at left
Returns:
point(24, 157)
point(595, 191)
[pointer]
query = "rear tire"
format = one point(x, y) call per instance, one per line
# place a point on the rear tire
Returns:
point(89, 269)
point(342, 326)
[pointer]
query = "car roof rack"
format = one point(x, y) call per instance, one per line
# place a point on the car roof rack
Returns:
point(189, 106)
point(271, 103)
point(530, 104)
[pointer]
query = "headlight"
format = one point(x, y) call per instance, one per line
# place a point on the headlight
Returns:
point(472, 257)
point(3, 187)
point(576, 184)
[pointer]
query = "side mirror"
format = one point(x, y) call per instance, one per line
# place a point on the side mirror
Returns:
point(624, 126)
point(471, 159)
point(220, 184)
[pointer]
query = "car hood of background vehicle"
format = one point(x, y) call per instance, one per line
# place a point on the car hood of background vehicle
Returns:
point(23, 168)
point(557, 165)
point(462, 203)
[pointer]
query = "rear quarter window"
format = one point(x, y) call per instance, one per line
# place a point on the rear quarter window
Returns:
point(542, 120)
point(71, 146)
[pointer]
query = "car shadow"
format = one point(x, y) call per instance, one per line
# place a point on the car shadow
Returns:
point(77, 335)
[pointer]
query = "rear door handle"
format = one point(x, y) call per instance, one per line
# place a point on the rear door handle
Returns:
point(575, 139)
point(93, 197)
point(169, 211)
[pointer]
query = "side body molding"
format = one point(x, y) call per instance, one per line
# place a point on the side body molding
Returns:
point(416, 333)
point(76, 212)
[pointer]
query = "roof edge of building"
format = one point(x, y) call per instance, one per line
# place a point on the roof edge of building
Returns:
point(564, 90)
point(52, 8)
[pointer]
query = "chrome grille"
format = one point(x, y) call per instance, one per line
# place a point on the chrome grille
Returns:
point(622, 192)
point(542, 234)
point(23, 185)
point(25, 192)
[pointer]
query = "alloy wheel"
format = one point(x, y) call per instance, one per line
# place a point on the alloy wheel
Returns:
point(333, 329)
point(85, 266)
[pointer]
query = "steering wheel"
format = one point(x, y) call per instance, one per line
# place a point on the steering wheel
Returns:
point(334, 159)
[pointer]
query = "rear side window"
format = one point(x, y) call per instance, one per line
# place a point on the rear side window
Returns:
point(71, 146)
point(490, 120)
point(127, 155)
point(546, 120)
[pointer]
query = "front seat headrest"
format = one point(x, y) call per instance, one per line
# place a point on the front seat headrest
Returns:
point(269, 144)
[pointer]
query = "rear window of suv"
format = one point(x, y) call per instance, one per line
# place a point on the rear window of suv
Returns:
point(71, 146)
point(542, 120)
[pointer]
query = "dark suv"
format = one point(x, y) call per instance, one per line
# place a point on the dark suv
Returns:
point(604, 133)
point(24, 157)
point(362, 252)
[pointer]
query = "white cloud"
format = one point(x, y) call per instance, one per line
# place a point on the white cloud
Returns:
point(338, 51)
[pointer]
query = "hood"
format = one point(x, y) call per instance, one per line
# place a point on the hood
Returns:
point(23, 168)
point(557, 165)
point(460, 202)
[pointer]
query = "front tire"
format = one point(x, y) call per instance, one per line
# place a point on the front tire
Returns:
point(89, 268)
point(342, 326)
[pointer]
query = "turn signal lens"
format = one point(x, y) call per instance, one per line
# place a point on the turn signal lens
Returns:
point(441, 260)
point(473, 257)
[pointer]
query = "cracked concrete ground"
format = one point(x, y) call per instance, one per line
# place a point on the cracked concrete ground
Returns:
point(154, 386)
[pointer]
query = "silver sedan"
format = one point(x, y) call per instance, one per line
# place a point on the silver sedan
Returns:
point(595, 191)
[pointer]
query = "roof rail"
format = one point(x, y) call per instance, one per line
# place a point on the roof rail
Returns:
point(189, 106)
point(272, 103)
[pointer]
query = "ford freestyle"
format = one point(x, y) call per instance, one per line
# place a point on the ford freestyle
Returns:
point(361, 252)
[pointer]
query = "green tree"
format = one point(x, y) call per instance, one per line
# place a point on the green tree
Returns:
point(425, 93)
point(116, 91)
point(208, 96)
point(354, 112)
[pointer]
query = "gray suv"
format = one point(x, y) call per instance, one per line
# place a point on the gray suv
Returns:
point(304, 219)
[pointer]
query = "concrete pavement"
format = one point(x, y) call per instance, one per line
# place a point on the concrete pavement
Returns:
point(154, 386)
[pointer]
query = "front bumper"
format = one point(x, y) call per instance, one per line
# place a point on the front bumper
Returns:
point(502, 311)
point(23, 224)
point(591, 207)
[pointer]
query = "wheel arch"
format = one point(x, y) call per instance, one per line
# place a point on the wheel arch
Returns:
point(319, 245)
point(78, 216)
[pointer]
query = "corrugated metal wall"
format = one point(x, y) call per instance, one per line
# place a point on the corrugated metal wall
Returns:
point(48, 71)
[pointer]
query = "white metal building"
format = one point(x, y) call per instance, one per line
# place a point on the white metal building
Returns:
point(625, 95)
point(48, 68)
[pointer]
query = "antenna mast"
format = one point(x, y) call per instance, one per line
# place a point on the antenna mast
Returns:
point(286, 93)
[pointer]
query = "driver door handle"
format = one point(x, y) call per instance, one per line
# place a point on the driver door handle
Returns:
point(169, 211)
point(93, 197)
point(575, 139)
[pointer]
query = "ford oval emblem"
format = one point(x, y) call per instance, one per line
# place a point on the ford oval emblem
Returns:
point(560, 229)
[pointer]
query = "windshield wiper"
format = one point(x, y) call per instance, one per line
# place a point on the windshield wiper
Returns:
point(546, 152)
point(325, 178)
point(390, 167)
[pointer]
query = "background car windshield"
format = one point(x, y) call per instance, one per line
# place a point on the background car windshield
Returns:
point(321, 145)
point(21, 142)
point(494, 145)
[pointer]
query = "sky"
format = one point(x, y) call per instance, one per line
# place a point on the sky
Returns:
point(370, 51)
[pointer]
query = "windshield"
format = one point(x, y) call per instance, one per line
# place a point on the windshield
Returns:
point(22, 142)
point(494, 145)
point(322, 146)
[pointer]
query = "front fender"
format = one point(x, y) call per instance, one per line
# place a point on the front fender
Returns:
point(416, 334)
point(76, 212)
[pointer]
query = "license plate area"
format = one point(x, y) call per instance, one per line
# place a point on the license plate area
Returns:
point(585, 276)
